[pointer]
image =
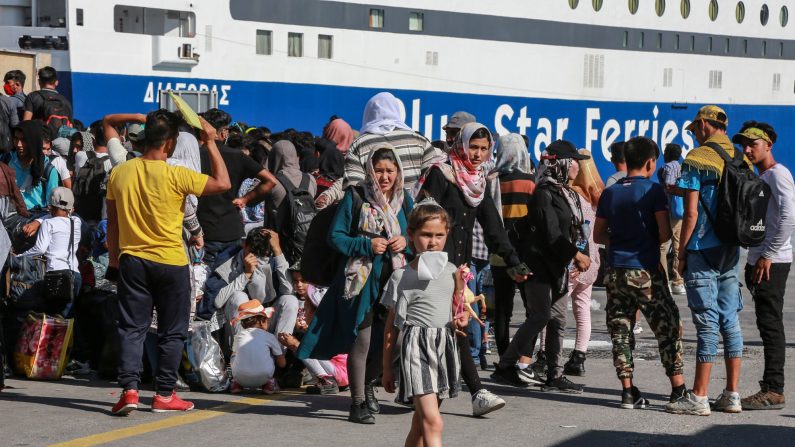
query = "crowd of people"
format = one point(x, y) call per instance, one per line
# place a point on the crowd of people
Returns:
point(156, 227)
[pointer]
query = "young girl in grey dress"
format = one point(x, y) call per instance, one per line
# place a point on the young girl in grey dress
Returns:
point(420, 302)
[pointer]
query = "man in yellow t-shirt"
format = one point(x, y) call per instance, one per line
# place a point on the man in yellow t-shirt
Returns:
point(145, 202)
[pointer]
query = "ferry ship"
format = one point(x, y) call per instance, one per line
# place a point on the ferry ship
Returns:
point(590, 71)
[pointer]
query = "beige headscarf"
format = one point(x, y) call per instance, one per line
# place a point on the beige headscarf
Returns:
point(588, 182)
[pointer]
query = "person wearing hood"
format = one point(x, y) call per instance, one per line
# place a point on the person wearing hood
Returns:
point(554, 238)
point(461, 185)
point(382, 124)
point(340, 132)
point(35, 176)
point(284, 165)
point(56, 151)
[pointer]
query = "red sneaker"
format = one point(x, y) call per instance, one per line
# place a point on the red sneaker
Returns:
point(128, 402)
point(162, 404)
point(236, 388)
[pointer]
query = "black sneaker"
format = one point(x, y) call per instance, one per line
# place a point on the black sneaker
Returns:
point(323, 386)
point(632, 400)
point(540, 365)
point(530, 377)
point(576, 364)
point(370, 399)
point(677, 395)
point(509, 376)
point(562, 385)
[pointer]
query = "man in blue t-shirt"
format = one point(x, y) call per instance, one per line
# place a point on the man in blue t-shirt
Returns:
point(632, 221)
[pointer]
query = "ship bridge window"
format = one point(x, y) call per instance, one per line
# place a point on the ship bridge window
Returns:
point(764, 15)
point(684, 8)
point(597, 4)
point(633, 6)
point(739, 12)
point(325, 46)
point(79, 16)
point(416, 21)
point(659, 7)
point(573, 4)
point(153, 22)
point(295, 44)
point(713, 10)
point(376, 18)
point(783, 17)
point(264, 42)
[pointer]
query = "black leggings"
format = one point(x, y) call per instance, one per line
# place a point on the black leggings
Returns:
point(504, 292)
point(469, 372)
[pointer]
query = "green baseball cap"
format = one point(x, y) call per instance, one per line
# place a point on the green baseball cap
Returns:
point(751, 133)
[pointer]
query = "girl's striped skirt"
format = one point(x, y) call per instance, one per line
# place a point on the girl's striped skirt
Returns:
point(429, 363)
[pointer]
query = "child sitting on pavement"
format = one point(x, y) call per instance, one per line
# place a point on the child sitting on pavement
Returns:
point(256, 352)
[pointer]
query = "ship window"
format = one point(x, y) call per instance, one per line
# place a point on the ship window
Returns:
point(295, 44)
point(709, 44)
point(573, 4)
point(416, 21)
point(264, 42)
point(728, 46)
point(776, 82)
point(715, 79)
point(781, 49)
point(597, 4)
point(692, 43)
point(745, 47)
point(739, 12)
point(79, 16)
point(676, 46)
point(325, 44)
point(153, 22)
point(764, 48)
point(684, 8)
point(642, 40)
point(659, 7)
point(713, 10)
point(783, 17)
point(376, 18)
point(633, 6)
point(659, 40)
point(626, 39)
point(764, 15)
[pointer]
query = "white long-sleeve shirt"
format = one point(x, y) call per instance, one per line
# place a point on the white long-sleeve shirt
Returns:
point(780, 219)
point(53, 243)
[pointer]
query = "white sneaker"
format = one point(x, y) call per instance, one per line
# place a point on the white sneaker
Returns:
point(727, 402)
point(484, 402)
point(678, 289)
point(637, 329)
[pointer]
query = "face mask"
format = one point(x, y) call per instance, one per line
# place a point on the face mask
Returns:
point(431, 264)
point(8, 89)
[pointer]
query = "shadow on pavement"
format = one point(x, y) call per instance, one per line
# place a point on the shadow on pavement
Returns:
point(714, 436)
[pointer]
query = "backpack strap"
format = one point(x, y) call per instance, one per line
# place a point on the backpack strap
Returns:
point(286, 183)
point(304, 185)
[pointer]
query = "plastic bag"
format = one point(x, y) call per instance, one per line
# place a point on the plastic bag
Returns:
point(205, 356)
point(43, 346)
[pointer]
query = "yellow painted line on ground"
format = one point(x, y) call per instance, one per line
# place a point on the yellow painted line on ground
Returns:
point(174, 421)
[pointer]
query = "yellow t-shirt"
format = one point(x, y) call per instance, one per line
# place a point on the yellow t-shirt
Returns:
point(150, 205)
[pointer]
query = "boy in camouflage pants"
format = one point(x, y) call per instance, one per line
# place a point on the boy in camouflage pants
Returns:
point(632, 220)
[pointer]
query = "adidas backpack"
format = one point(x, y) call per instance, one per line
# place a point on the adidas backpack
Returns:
point(742, 198)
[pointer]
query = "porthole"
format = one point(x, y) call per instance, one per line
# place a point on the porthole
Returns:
point(633, 6)
point(597, 4)
point(659, 7)
point(783, 17)
point(573, 4)
point(764, 15)
point(684, 8)
point(713, 10)
point(739, 12)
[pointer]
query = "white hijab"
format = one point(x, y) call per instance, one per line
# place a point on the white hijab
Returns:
point(382, 115)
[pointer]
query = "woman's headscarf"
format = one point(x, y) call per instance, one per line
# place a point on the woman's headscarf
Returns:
point(379, 215)
point(512, 155)
point(32, 132)
point(283, 159)
point(332, 165)
point(186, 153)
point(340, 133)
point(470, 180)
point(88, 141)
point(382, 115)
point(554, 172)
point(588, 182)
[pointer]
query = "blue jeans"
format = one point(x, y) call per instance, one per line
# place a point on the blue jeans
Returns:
point(474, 330)
point(712, 280)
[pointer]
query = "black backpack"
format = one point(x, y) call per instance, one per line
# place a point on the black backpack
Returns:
point(56, 110)
point(89, 188)
point(294, 216)
point(742, 199)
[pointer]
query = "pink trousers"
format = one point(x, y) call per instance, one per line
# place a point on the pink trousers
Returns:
point(581, 306)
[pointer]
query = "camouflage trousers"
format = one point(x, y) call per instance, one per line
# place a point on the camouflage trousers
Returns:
point(629, 290)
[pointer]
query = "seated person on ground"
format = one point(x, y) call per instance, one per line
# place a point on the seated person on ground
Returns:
point(256, 352)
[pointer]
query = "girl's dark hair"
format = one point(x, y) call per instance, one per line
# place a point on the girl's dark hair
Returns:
point(481, 133)
point(427, 212)
point(251, 322)
point(384, 154)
